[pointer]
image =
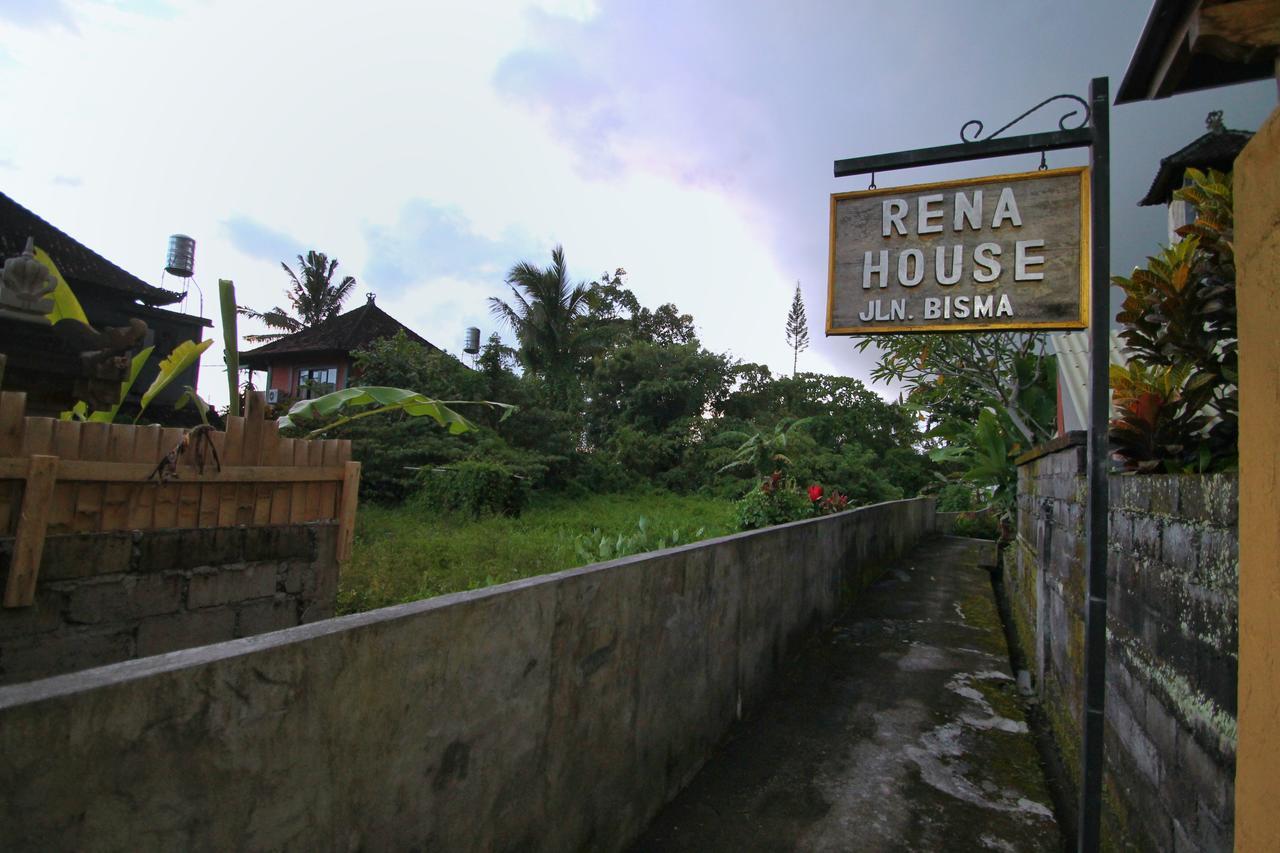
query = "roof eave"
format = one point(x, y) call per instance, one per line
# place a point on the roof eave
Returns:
point(1169, 61)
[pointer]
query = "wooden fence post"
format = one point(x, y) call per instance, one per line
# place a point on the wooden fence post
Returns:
point(13, 410)
point(347, 513)
point(20, 591)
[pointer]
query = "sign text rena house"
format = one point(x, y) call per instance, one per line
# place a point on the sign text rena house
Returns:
point(1001, 252)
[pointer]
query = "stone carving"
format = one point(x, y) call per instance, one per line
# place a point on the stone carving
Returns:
point(105, 358)
point(25, 284)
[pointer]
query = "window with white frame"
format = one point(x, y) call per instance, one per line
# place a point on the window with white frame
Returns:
point(316, 381)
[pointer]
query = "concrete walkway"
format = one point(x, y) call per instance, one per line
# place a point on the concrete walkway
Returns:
point(899, 729)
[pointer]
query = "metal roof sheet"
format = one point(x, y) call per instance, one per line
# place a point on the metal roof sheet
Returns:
point(1072, 350)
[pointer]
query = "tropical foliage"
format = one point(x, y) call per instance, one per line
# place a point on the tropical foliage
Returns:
point(986, 397)
point(327, 412)
point(1179, 407)
point(177, 362)
point(313, 298)
point(956, 375)
point(543, 312)
point(597, 546)
point(472, 488)
point(615, 396)
point(778, 500)
point(762, 452)
point(985, 456)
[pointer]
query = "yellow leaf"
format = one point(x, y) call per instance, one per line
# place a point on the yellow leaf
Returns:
point(65, 304)
point(183, 356)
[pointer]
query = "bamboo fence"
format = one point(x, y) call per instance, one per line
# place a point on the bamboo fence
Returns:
point(79, 477)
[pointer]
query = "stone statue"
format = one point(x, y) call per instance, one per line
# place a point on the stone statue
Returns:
point(24, 286)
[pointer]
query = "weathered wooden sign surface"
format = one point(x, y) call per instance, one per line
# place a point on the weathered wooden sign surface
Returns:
point(1004, 252)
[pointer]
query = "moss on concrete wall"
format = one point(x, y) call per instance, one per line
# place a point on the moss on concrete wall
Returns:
point(1171, 637)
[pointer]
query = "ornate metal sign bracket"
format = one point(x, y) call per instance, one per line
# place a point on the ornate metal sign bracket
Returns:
point(1069, 134)
point(1062, 122)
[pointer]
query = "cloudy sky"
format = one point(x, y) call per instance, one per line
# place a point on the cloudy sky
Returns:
point(429, 146)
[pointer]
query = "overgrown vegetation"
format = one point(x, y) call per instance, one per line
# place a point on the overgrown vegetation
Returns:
point(471, 488)
point(611, 400)
point(613, 396)
point(402, 554)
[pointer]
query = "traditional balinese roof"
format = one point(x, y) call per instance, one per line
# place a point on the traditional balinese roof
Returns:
point(1217, 149)
point(346, 332)
point(1188, 45)
point(78, 264)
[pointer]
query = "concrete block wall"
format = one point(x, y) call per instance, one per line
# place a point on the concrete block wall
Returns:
point(1172, 639)
point(553, 713)
point(1045, 583)
point(109, 597)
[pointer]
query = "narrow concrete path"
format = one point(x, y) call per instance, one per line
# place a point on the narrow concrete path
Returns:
point(898, 729)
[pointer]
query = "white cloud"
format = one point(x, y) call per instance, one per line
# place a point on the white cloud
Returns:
point(429, 146)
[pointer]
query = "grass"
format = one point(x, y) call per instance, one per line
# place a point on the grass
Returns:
point(402, 554)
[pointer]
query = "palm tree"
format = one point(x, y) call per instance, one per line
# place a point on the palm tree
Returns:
point(543, 314)
point(313, 295)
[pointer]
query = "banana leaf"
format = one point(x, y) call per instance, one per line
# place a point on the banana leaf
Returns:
point(349, 404)
point(183, 356)
point(65, 304)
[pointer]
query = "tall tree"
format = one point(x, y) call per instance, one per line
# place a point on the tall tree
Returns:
point(312, 293)
point(797, 329)
point(543, 313)
point(952, 375)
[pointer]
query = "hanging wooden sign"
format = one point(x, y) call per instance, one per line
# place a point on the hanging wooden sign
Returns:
point(1007, 252)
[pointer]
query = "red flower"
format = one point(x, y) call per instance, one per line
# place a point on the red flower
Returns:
point(815, 493)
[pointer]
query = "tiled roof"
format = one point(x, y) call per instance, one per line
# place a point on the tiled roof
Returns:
point(77, 262)
point(346, 332)
point(1217, 149)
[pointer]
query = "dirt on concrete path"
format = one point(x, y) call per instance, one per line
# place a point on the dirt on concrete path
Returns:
point(900, 728)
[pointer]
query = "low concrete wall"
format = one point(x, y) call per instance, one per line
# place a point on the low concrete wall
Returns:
point(1170, 740)
point(555, 713)
point(106, 597)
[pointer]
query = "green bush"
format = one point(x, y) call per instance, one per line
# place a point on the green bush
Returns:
point(956, 497)
point(598, 472)
point(853, 470)
point(472, 488)
point(596, 547)
point(389, 449)
point(979, 525)
point(778, 506)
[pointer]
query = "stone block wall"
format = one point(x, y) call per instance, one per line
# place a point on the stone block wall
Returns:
point(1172, 637)
point(553, 713)
point(108, 597)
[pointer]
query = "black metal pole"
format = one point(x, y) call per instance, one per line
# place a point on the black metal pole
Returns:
point(1032, 143)
point(993, 145)
point(1095, 528)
